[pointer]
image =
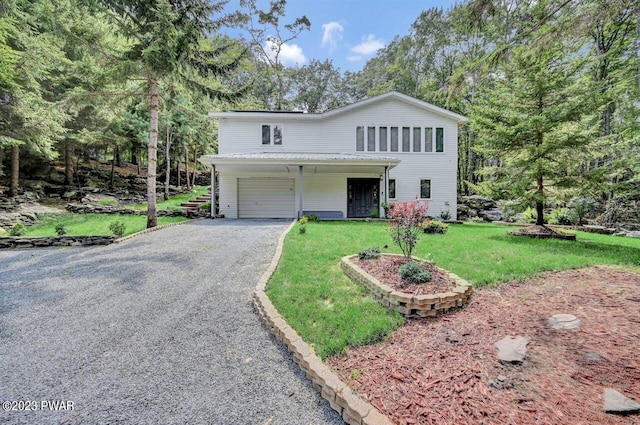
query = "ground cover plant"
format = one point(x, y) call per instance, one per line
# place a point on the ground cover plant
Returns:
point(330, 312)
point(91, 224)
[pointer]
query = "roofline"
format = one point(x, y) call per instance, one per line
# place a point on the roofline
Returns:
point(215, 160)
point(460, 119)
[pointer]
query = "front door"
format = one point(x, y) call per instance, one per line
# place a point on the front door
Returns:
point(362, 197)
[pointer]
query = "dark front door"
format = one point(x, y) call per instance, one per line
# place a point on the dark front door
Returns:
point(362, 197)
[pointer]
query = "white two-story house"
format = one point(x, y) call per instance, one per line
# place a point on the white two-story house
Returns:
point(339, 164)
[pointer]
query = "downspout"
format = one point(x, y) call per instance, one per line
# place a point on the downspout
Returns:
point(300, 190)
point(213, 191)
point(386, 186)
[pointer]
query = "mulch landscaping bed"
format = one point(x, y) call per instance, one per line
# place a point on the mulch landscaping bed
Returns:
point(445, 370)
point(385, 269)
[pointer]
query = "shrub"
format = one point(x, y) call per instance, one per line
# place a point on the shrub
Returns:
point(582, 206)
point(206, 206)
point(313, 217)
point(405, 224)
point(303, 224)
point(17, 229)
point(414, 273)
point(435, 226)
point(445, 215)
point(60, 229)
point(369, 253)
point(563, 216)
point(509, 210)
point(385, 207)
point(530, 215)
point(117, 228)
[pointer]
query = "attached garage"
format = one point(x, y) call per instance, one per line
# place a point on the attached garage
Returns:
point(266, 198)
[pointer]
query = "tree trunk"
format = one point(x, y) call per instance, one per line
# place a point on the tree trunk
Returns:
point(154, 97)
point(1, 162)
point(15, 170)
point(540, 203)
point(113, 167)
point(195, 166)
point(167, 175)
point(68, 163)
point(178, 172)
point(186, 166)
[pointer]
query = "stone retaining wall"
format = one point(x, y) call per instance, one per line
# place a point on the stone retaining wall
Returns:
point(341, 398)
point(407, 304)
point(45, 241)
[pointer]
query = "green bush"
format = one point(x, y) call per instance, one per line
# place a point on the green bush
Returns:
point(414, 273)
point(581, 206)
point(117, 228)
point(206, 206)
point(509, 210)
point(60, 229)
point(313, 217)
point(369, 253)
point(530, 215)
point(563, 216)
point(303, 224)
point(435, 226)
point(18, 229)
point(445, 215)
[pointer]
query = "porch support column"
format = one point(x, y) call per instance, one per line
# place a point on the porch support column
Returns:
point(386, 185)
point(300, 190)
point(213, 191)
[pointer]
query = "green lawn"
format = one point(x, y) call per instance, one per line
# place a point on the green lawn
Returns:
point(330, 312)
point(92, 224)
point(174, 202)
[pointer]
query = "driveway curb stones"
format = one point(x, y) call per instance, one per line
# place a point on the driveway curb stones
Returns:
point(341, 398)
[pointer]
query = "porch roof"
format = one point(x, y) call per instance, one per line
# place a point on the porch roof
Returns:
point(299, 158)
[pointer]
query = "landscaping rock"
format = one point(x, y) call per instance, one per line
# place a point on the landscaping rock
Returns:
point(512, 350)
point(634, 234)
point(564, 321)
point(616, 402)
point(593, 357)
point(491, 215)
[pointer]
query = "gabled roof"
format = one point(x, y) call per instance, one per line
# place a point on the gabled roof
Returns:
point(369, 101)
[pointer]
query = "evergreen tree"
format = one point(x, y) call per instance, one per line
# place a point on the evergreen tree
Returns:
point(533, 118)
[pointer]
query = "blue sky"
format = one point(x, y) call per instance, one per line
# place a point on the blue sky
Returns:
point(349, 32)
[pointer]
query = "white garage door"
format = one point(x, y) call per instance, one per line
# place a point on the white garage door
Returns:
point(266, 198)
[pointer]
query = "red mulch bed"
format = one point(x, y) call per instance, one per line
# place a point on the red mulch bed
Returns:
point(385, 269)
point(439, 370)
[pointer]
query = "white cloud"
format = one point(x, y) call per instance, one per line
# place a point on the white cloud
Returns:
point(290, 54)
point(354, 58)
point(332, 34)
point(370, 44)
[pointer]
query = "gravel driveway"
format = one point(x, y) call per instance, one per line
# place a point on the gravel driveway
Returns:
point(155, 330)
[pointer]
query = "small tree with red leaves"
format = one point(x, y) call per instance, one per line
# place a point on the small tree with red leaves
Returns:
point(405, 224)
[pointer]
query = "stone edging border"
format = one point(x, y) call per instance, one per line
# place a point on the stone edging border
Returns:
point(16, 242)
point(341, 398)
point(406, 304)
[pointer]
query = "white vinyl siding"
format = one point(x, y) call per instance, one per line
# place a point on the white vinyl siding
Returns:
point(266, 198)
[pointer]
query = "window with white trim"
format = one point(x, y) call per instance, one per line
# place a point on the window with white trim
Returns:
point(439, 139)
point(272, 134)
point(425, 189)
point(392, 188)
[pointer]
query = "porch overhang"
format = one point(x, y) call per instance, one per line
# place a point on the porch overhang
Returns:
point(289, 162)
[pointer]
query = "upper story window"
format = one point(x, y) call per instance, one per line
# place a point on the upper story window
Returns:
point(272, 134)
point(429, 136)
point(397, 139)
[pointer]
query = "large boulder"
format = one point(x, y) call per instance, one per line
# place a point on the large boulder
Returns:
point(478, 202)
point(490, 215)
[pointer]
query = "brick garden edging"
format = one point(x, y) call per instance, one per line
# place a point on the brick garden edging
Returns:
point(406, 304)
point(353, 409)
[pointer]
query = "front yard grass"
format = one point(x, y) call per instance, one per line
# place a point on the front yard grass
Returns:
point(331, 313)
point(92, 224)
